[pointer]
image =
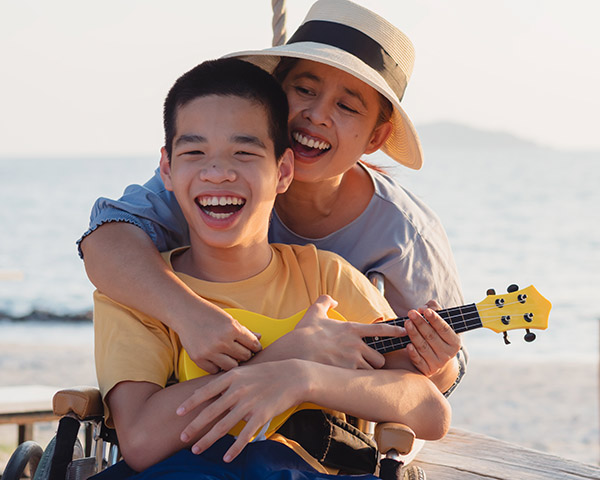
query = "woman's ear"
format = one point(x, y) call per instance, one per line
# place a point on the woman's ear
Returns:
point(165, 169)
point(285, 170)
point(378, 137)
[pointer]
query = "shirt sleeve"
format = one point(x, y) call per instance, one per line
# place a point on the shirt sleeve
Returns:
point(424, 272)
point(358, 300)
point(130, 346)
point(150, 207)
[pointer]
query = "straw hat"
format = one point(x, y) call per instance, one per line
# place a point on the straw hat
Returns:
point(347, 36)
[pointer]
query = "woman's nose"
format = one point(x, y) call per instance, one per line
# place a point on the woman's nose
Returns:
point(318, 112)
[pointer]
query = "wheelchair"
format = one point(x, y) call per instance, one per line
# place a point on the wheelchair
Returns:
point(81, 413)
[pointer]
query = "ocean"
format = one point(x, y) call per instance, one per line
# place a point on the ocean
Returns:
point(525, 216)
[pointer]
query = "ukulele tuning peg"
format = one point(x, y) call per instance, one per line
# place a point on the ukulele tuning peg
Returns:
point(529, 336)
point(512, 288)
point(490, 291)
point(505, 337)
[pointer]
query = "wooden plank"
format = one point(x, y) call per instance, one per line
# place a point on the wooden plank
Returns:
point(463, 455)
point(25, 405)
point(26, 399)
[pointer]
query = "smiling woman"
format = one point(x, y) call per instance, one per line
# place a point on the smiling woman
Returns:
point(340, 98)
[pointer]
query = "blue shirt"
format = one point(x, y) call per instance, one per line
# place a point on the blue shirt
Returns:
point(397, 235)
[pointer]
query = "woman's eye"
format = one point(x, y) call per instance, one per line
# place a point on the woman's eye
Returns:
point(302, 90)
point(343, 106)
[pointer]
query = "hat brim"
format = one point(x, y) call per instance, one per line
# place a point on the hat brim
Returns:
point(403, 144)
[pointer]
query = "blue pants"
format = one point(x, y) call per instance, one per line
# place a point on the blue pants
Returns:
point(258, 461)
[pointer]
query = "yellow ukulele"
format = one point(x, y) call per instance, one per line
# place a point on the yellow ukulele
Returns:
point(517, 309)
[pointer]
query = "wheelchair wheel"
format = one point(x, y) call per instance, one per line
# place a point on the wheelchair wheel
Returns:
point(43, 469)
point(26, 454)
point(412, 472)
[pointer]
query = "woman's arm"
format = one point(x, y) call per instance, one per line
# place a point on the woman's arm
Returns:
point(123, 263)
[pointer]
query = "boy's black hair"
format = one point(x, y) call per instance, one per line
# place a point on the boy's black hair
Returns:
point(230, 77)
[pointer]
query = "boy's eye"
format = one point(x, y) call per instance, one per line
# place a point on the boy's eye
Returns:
point(193, 152)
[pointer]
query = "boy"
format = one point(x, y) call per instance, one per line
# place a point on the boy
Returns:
point(225, 158)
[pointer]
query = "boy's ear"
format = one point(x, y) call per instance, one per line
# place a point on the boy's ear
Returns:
point(165, 169)
point(378, 137)
point(285, 170)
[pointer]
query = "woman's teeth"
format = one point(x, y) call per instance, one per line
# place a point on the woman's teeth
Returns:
point(310, 142)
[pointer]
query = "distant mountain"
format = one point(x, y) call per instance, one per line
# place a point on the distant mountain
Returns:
point(454, 135)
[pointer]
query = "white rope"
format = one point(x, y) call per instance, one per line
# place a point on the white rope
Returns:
point(278, 22)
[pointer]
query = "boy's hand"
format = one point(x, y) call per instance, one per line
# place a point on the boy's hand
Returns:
point(433, 342)
point(216, 341)
point(253, 393)
point(332, 342)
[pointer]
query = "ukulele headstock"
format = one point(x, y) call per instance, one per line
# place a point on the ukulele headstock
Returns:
point(516, 309)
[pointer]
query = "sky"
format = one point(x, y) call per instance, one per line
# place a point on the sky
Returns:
point(83, 78)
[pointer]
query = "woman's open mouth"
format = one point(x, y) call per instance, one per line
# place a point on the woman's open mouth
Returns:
point(308, 146)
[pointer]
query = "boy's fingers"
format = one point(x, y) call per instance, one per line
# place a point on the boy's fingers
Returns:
point(381, 330)
point(373, 359)
point(225, 362)
point(207, 366)
point(243, 439)
point(325, 302)
point(200, 396)
point(249, 340)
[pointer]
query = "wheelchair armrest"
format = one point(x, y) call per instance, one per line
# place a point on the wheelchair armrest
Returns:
point(84, 402)
point(394, 436)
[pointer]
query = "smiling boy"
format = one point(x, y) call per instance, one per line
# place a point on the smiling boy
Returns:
point(226, 157)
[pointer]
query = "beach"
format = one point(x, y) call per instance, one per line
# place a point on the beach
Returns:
point(551, 406)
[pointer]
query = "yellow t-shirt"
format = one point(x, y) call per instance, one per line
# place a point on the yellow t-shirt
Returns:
point(131, 346)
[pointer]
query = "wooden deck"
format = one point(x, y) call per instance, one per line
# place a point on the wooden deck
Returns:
point(26, 405)
point(461, 455)
point(464, 455)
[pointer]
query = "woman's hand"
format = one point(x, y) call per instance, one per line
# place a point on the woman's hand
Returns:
point(253, 393)
point(433, 342)
point(321, 339)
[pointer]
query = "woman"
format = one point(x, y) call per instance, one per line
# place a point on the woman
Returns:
point(344, 72)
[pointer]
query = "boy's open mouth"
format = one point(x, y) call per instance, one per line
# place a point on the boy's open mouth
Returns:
point(308, 146)
point(220, 208)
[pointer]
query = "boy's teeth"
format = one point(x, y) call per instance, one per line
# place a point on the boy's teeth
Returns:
point(219, 216)
point(310, 142)
point(220, 201)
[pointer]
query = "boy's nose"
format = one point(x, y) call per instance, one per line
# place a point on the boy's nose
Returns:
point(217, 172)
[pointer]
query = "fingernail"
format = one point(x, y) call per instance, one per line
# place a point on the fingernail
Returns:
point(227, 458)
point(196, 450)
point(407, 324)
point(184, 437)
point(180, 411)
